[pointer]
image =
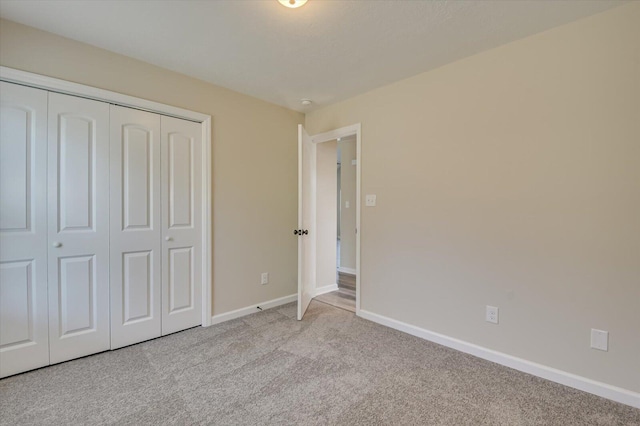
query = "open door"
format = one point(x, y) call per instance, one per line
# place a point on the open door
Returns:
point(306, 220)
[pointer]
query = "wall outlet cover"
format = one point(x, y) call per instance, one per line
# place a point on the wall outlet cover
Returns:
point(492, 314)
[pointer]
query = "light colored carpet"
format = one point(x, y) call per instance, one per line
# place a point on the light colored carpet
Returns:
point(332, 368)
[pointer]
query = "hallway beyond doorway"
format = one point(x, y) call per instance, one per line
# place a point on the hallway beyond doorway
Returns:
point(345, 296)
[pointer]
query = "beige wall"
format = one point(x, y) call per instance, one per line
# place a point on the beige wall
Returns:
point(348, 215)
point(326, 206)
point(511, 178)
point(254, 157)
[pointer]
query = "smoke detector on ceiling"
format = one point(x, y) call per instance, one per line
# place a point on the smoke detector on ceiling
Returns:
point(306, 102)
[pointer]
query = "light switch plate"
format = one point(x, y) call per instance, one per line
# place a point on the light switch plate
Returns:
point(346, 204)
point(370, 200)
point(600, 339)
point(354, 162)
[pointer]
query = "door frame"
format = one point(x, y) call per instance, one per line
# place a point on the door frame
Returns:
point(11, 75)
point(343, 132)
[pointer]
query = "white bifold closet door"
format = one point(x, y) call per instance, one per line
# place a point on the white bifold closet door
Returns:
point(156, 272)
point(181, 224)
point(24, 339)
point(136, 233)
point(78, 212)
point(100, 227)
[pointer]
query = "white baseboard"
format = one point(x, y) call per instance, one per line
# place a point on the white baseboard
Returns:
point(325, 289)
point(227, 316)
point(604, 390)
point(346, 270)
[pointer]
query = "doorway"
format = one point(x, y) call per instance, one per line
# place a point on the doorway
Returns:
point(337, 158)
point(329, 218)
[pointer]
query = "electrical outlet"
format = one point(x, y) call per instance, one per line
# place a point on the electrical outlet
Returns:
point(264, 278)
point(599, 339)
point(492, 314)
point(370, 200)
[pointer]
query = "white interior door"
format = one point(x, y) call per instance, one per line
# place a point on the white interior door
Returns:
point(78, 226)
point(181, 224)
point(135, 230)
point(24, 334)
point(306, 220)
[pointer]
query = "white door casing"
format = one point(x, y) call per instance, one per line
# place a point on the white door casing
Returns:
point(306, 220)
point(78, 226)
point(181, 193)
point(135, 226)
point(24, 334)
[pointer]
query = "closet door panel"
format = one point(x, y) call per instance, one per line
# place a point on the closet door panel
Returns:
point(135, 226)
point(76, 173)
point(77, 289)
point(78, 226)
point(181, 277)
point(181, 224)
point(23, 229)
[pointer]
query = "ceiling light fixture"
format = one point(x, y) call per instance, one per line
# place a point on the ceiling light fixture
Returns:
point(292, 3)
point(305, 102)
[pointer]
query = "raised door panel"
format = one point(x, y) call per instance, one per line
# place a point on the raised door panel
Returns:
point(181, 188)
point(23, 229)
point(76, 173)
point(181, 279)
point(137, 286)
point(135, 226)
point(78, 194)
point(16, 123)
point(77, 289)
point(16, 303)
point(137, 175)
point(181, 224)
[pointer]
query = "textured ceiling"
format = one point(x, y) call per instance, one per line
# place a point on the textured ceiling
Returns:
point(325, 51)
